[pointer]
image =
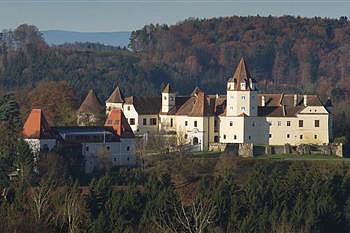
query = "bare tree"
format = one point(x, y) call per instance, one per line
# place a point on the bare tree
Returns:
point(41, 204)
point(181, 140)
point(72, 210)
point(195, 218)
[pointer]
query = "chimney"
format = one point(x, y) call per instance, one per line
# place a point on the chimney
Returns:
point(305, 100)
point(284, 110)
point(295, 100)
point(263, 101)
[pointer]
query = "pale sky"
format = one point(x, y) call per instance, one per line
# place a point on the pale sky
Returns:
point(124, 15)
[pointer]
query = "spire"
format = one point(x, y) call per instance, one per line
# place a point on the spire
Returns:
point(241, 74)
point(196, 91)
point(91, 104)
point(167, 89)
point(36, 126)
point(116, 96)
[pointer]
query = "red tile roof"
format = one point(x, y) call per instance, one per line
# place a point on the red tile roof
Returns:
point(117, 120)
point(36, 126)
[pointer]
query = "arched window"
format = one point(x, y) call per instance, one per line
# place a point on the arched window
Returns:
point(195, 141)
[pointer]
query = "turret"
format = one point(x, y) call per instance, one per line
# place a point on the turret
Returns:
point(168, 99)
point(241, 92)
point(115, 101)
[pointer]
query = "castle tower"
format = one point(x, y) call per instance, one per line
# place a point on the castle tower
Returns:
point(91, 111)
point(241, 92)
point(168, 99)
point(115, 101)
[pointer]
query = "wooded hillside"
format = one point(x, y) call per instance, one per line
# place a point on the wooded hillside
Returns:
point(284, 54)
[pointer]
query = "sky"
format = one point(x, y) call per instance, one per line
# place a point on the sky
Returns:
point(128, 15)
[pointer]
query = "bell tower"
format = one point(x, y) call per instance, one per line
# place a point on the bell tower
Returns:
point(241, 93)
point(168, 99)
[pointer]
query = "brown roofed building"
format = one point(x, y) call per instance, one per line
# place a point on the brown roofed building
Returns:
point(240, 116)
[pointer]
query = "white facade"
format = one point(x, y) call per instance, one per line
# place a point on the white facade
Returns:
point(111, 153)
point(37, 145)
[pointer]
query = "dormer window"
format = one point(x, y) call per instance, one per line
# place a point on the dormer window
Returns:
point(243, 85)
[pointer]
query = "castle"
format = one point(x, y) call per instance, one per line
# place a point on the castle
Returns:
point(241, 116)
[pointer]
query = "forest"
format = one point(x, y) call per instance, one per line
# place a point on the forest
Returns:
point(175, 193)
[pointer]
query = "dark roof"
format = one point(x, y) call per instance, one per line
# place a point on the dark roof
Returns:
point(145, 105)
point(241, 75)
point(88, 133)
point(179, 101)
point(167, 89)
point(196, 105)
point(288, 100)
point(116, 96)
point(91, 104)
point(281, 105)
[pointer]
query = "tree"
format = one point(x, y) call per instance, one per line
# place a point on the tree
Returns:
point(57, 100)
point(9, 111)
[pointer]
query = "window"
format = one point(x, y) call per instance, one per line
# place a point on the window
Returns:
point(253, 124)
point(215, 123)
point(144, 121)
point(224, 136)
point(132, 121)
point(301, 123)
point(186, 136)
point(269, 122)
point(243, 109)
point(108, 148)
point(109, 122)
point(128, 148)
point(317, 123)
point(231, 108)
point(270, 135)
point(279, 123)
point(186, 123)
point(171, 122)
point(128, 108)
point(301, 136)
point(243, 97)
point(87, 148)
point(288, 123)
point(231, 97)
point(216, 138)
point(195, 123)
point(249, 137)
point(231, 123)
point(235, 137)
point(288, 135)
point(116, 122)
point(153, 121)
point(315, 136)
point(164, 97)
